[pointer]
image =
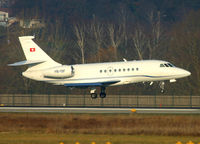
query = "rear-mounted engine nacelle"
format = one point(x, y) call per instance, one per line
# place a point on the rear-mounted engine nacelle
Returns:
point(60, 72)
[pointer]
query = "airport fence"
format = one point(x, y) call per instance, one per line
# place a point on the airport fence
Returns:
point(110, 101)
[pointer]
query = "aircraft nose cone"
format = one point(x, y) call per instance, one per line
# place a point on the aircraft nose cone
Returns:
point(186, 73)
point(180, 73)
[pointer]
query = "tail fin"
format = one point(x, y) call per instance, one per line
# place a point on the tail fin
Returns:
point(36, 58)
point(31, 50)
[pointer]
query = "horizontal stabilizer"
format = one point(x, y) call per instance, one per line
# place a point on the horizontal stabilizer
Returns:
point(29, 62)
point(105, 83)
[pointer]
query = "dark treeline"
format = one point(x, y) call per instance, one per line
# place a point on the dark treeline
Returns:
point(85, 31)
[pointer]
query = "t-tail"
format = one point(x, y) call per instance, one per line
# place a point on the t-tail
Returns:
point(40, 66)
point(36, 58)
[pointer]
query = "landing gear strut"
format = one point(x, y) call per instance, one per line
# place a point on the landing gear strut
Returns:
point(103, 93)
point(162, 86)
point(93, 93)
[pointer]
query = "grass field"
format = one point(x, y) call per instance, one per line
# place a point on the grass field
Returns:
point(39, 138)
point(32, 128)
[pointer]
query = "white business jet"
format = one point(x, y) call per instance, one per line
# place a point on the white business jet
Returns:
point(42, 68)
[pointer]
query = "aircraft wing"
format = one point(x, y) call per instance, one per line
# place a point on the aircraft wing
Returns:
point(90, 84)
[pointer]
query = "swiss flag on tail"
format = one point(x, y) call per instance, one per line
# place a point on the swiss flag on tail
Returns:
point(32, 49)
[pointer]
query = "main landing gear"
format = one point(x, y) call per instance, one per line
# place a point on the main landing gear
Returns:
point(94, 94)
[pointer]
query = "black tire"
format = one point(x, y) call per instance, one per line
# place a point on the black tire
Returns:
point(102, 95)
point(93, 95)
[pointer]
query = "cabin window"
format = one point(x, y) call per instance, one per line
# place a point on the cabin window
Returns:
point(162, 65)
point(100, 71)
point(105, 71)
point(115, 70)
point(124, 69)
point(110, 70)
point(128, 69)
point(132, 69)
point(119, 70)
point(137, 69)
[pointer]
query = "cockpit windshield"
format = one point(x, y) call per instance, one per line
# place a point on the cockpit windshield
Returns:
point(167, 65)
point(171, 65)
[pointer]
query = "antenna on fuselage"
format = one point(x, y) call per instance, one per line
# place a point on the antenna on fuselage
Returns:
point(124, 60)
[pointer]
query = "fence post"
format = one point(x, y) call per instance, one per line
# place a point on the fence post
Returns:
point(84, 98)
point(49, 101)
point(31, 96)
point(66, 98)
point(13, 99)
point(102, 104)
point(119, 100)
point(191, 98)
point(173, 98)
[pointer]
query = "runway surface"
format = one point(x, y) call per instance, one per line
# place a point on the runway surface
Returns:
point(98, 110)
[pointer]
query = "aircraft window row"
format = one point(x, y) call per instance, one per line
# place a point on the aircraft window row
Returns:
point(119, 70)
point(166, 65)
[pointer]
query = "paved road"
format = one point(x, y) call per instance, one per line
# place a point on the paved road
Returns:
point(98, 110)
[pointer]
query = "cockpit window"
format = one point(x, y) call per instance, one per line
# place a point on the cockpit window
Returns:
point(171, 65)
point(162, 65)
point(167, 65)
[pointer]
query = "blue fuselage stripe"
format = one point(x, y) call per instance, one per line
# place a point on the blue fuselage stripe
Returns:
point(119, 77)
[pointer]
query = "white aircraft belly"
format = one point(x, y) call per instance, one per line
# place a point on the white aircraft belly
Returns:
point(123, 79)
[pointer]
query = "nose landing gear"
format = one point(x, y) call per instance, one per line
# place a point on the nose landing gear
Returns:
point(162, 86)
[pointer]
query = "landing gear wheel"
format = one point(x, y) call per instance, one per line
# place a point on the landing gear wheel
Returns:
point(93, 95)
point(102, 95)
point(103, 92)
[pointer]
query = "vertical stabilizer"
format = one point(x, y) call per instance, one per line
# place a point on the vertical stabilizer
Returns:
point(33, 52)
